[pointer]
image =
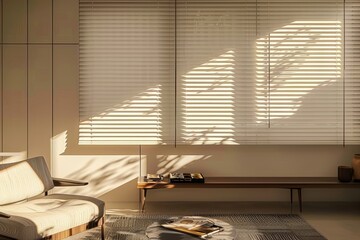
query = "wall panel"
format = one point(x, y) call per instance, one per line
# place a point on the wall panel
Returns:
point(1, 100)
point(40, 22)
point(15, 21)
point(40, 100)
point(14, 98)
point(66, 84)
point(1, 21)
point(66, 15)
point(1, 68)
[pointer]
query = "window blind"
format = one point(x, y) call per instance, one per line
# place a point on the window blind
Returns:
point(126, 72)
point(352, 71)
point(219, 72)
point(216, 71)
point(264, 72)
point(301, 49)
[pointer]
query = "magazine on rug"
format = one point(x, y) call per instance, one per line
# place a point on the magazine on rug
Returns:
point(200, 227)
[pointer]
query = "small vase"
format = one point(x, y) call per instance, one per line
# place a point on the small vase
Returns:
point(356, 167)
point(345, 173)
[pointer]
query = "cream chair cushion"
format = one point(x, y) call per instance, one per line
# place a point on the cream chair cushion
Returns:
point(48, 215)
point(24, 180)
point(33, 215)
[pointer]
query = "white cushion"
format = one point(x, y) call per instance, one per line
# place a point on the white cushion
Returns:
point(23, 180)
point(49, 215)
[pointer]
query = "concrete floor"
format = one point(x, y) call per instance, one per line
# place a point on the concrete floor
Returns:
point(334, 220)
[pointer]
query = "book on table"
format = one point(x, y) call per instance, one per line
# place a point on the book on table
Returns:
point(176, 177)
point(200, 227)
point(153, 177)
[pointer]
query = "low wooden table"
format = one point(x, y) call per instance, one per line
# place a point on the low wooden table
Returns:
point(291, 183)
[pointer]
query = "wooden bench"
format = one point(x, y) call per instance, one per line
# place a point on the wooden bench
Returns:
point(291, 183)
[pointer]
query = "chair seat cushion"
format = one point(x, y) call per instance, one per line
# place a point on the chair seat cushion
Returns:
point(49, 215)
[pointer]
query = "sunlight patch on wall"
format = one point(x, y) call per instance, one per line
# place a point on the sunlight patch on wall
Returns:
point(59, 143)
point(104, 173)
point(172, 163)
point(9, 157)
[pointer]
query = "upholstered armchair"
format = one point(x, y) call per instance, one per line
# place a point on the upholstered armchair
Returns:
point(27, 212)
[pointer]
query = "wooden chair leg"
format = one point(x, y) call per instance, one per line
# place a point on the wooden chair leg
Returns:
point(102, 227)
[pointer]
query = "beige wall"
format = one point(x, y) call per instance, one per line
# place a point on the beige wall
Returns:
point(39, 116)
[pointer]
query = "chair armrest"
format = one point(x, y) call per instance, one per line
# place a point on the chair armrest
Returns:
point(61, 182)
point(4, 215)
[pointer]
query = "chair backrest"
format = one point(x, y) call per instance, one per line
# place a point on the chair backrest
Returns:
point(24, 179)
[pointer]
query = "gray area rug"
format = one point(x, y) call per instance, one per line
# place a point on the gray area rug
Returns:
point(247, 226)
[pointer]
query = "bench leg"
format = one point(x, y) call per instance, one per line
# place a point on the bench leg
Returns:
point(142, 194)
point(299, 198)
point(291, 199)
